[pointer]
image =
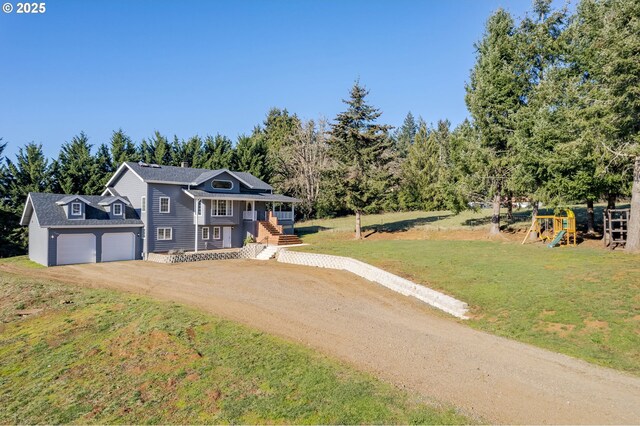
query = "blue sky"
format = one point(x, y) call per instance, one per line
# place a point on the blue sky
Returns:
point(205, 67)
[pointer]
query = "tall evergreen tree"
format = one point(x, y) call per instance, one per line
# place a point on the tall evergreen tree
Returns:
point(279, 126)
point(29, 173)
point(494, 95)
point(190, 152)
point(102, 171)
point(251, 155)
point(218, 152)
point(76, 166)
point(608, 33)
point(156, 150)
point(362, 151)
point(405, 135)
point(122, 149)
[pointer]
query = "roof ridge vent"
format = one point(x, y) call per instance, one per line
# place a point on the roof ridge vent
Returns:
point(142, 164)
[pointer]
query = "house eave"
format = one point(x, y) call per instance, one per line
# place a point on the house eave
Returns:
point(139, 225)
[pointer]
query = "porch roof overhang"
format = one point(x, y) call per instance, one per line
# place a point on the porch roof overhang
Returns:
point(272, 198)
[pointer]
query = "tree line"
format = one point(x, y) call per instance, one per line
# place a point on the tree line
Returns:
point(554, 102)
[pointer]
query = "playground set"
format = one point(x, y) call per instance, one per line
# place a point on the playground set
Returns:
point(557, 229)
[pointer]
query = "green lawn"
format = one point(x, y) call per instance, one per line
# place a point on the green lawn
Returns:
point(95, 356)
point(583, 302)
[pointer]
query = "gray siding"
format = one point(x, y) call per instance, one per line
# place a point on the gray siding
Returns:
point(98, 232)
point(179, 218)
point(38, 242)
point(130, 186)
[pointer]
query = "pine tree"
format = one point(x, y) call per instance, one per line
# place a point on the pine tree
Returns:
point(405, 135)
point(607, 33)
point(218, 152)
point(156, 150)
point(362, 152)
point(76, 166)
point(190, 152)
point(494, 95)
point(102, 171)
point(279, 126)
point(122, 149)
point(251, 155)
point(29, 173)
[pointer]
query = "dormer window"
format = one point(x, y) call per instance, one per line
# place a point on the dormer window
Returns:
point(221, 184)
point(76, 209)
point(117, 209)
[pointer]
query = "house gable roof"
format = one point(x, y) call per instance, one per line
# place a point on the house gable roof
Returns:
point(50, 213)
point(184, 175)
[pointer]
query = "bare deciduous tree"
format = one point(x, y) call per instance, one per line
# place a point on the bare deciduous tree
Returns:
point(303, 160)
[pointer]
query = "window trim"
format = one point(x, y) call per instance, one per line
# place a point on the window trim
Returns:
point(217, 228)
point(222, 189)
point(79, 205)
point(205, 228)
point(168, 204)
point(199, 208)
point(228, 211)
point(164, 234)
point(143, 204)
point(114, 209)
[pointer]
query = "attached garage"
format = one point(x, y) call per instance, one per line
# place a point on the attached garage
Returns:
point(76, 248)
point(70, 229)
point(118, 246)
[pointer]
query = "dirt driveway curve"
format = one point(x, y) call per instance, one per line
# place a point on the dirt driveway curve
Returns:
point(394, 337)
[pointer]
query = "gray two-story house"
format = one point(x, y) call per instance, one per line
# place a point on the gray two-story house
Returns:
point(149, 208)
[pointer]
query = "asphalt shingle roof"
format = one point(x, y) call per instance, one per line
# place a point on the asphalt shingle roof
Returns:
point(189, 175)
point(50, 214)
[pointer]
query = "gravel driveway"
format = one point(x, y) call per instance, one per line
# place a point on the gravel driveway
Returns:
point(394, 337)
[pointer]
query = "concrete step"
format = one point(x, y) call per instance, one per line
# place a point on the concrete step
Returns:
point(267, 253)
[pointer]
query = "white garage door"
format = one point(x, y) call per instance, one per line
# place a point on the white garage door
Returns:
point(76, 248)
point(118, 246)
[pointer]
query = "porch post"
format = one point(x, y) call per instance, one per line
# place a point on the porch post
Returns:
point(292, 212)
point(195, 220)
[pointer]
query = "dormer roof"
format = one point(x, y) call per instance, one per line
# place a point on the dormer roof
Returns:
point(110, 200)
point(69, 198)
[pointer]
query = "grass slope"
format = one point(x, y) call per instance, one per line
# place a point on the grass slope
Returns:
point(583, 302)
point(94, 356)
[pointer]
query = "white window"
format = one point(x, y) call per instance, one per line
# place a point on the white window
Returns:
point(221, 208)
point(117, 209)
point(144, 233)
point(205, 233)
point(76, 209)
point(143, 204)
point(164, 234)
point(164, 205)
point(222, 184)
point(216, 232)
point(200, 207)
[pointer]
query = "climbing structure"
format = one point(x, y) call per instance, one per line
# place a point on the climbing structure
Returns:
point(616, 223)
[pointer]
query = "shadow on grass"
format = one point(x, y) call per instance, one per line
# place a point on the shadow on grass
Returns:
point(403, 225)
point(308, 230)
point(522, 216)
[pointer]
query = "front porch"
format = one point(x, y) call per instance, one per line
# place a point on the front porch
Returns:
point(282, 211)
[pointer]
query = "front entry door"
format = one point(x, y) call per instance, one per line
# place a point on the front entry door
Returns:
point(226, 237)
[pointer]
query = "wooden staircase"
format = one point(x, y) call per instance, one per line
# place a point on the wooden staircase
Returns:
point(276, 237)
